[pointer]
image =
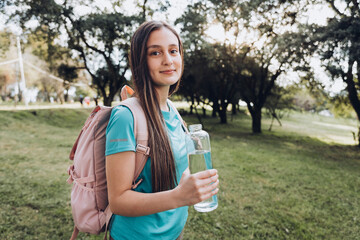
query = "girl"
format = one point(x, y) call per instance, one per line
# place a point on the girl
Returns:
point(157, 208)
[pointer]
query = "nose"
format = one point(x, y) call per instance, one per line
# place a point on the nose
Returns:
point(167, 59)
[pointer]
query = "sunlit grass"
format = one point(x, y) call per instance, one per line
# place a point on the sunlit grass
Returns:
point(327, 129)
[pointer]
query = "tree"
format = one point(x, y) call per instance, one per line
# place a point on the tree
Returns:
point(225, 65)
point(193, 25)
point(278, 102)
point(68, 73)
point(112, 33)
point(100, 40)
point(239, 66)
point(338, 44)
point(55, 60)
point(4, 42)
point(269, 54)
point(210, 68)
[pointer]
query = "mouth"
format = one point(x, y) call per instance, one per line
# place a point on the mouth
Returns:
point(168, 71)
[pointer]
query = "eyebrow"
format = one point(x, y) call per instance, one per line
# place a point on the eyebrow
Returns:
point(158, 46)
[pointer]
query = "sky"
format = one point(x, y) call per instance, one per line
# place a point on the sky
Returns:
point(318, 14)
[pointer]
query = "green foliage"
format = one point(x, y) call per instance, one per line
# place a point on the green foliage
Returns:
point(67, 72)
point(83, 92)
point(216, 74)
point(220, 73)
point(304, 101)
point(194, 24)
point(104, 36)
point(4, 42)
point(338, 44)
point(341, 106)
point(210, 77)
point(100, 39)
point(281, 185)
point(42, 44)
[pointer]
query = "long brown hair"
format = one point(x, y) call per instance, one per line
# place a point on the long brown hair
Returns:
point(163, 168)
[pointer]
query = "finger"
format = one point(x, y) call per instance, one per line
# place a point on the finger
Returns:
point(207, 181)
point(205, 174)
point(210, 187)
point(210, 194)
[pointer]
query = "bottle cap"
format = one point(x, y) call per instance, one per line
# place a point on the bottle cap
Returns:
point(195, 127)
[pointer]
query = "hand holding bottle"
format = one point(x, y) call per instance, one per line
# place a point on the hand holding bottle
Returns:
point(197, 187)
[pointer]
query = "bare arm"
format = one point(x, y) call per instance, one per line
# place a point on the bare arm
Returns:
point(193, 188)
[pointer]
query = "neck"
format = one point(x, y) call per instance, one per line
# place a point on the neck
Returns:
point(163, 94)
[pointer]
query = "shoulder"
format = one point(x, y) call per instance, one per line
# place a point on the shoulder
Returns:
point(133, 104)
point(121, 114)
point(120, 110)
point(120, 131)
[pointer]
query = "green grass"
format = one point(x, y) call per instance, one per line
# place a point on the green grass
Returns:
point(299, 181)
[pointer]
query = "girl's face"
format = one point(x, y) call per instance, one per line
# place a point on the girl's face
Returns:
point(163, 58)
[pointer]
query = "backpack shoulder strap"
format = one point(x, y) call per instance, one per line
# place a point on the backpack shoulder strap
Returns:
point(141, 135)
point(140, 124)
point(171, 104)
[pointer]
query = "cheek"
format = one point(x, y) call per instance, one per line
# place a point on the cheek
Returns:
point(179, 62)
point(151, 65)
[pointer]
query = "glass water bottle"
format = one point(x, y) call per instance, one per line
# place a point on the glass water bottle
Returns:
point(199, 154)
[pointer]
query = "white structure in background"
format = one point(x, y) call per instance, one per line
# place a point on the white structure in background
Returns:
point(29, 95)
point(21, 66)
point(326, 113)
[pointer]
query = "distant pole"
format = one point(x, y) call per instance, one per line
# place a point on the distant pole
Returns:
point(21, 65)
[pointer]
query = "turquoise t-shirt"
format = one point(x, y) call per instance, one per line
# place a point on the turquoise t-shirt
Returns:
point(165, 225)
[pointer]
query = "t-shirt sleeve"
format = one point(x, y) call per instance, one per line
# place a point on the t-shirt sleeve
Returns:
point(120, 131)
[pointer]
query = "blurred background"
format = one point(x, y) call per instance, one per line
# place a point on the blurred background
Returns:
point(272, 55)
point(274, 82)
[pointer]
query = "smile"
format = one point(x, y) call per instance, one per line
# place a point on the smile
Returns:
point(168, 71)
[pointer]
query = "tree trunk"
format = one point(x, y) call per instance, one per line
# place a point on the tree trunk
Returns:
point(215, 109)
point(353, 93)
point(107, 101)
point(256, 120)
point(108, 98)
point(61, 99)
point(66, 95)
point(223, 111)
point(214, 113)
point(198, 117)
point(192, 105)
point(233, 108)
point(222, 115)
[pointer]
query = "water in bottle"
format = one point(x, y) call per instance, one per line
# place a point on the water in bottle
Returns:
point(199, 153)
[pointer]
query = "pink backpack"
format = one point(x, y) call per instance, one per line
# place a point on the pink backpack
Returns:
point(89, 200)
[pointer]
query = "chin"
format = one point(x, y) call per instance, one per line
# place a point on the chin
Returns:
point(169, 82)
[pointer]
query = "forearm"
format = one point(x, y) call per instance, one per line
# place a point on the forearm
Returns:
point(193, 188)
point(134, 204)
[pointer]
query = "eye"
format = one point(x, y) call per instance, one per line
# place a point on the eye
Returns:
point(174, 51)
point(155, 53)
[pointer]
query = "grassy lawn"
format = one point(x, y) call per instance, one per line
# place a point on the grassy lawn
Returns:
point(299, 181)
